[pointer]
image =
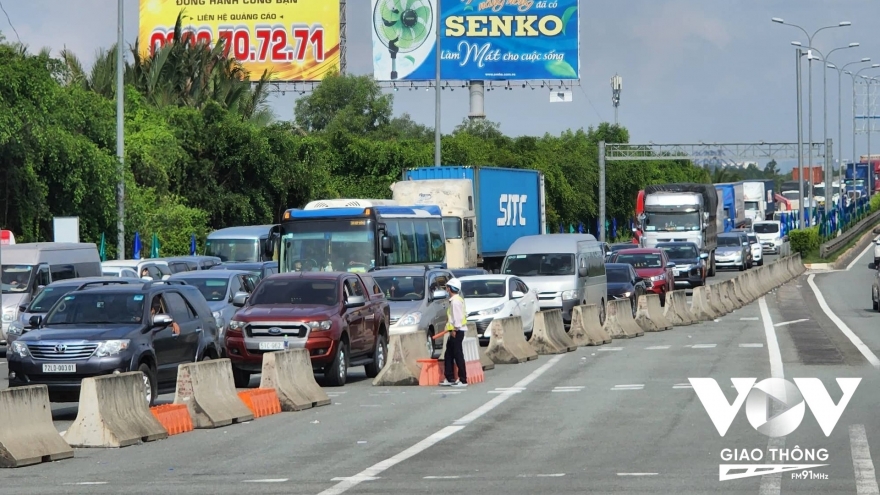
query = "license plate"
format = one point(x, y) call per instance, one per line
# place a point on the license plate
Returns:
point(677, 273)
point(271, 346)
point(59, 368)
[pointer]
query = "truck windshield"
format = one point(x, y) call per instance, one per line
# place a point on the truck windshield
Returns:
point(766, 228)
point(328, 245)
point(671, 221)
point(452, 227)
point(535, 265)
point(296, 291)
point(751, 205)
point(97, 309)
point(791, 195)
point(859, 182)
point(16, 278)
point(234, 249)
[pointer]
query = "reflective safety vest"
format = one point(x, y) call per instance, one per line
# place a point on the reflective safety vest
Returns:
point(449, 321)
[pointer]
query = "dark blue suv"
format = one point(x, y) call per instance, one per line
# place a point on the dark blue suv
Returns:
point(100, 330)
point(690, 264)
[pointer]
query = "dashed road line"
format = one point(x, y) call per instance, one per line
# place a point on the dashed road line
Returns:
point(657, 347)
point(443, 477)
point(637, 474)
point(703, 346)
point(749, 318)
point(268, 480)
point(568, 389)
point(506, 390)
point(88, 483)
point(635, 386)
point(554, 475)
point(866, 479)
point(682, 385)
point(757, 344)
point(610, 349)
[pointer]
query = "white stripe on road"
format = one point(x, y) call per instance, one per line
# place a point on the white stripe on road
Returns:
point(771, 484)
point(758, 344)
point(554, 475)
point(637, 474)
point(703, 346)
point(88, 483)
point(859, 257)
point(866, 478)
point(792, 322)
point(628, 387)
point(610, 349)
point(657, 347)
point(870, 356)
point(682, 385)
point(270, 480)
point(750, 318)
point(441, 435)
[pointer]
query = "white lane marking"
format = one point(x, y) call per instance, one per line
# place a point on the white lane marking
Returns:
point(441, 435)
point(637, 474)
point(866, 478)
point(703, 346)
point(749, 318)
point(870, 356)
point(628, 387)
point(792, 322)
point(657, 347)
point(573, 386)
point(357, 477)
point(859, 257)
point(554, 475)
point(610, 349)
point(269, 480)
point(507, 390)
point(441, 477)
point(757, 344)
point(771, 484)
point(682, 385)
point(88, 483)
point(567, 390)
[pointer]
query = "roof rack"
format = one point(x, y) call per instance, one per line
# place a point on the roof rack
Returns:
point(121, 281)
point(148, 285)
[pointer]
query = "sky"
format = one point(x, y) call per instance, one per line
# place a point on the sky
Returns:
point(693, 70)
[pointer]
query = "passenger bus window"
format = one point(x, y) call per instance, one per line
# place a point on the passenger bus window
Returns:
point(407, 242)
point(422, 240)
point(438, 247)
point(393, 233)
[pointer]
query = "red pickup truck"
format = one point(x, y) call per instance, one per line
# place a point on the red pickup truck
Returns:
point(341, 318)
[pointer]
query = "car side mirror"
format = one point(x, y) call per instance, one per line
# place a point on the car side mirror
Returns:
point(608, 253)
point(582, 271)
point(148, 279)
point(517, 295)
point(35, 321)
point(670, 265)
point(387, 246)
point(745, 244)
point(704, 256)
point(162, 320)
point(22, 309)
point(166, 277)
point(239, 299)
point(355, 301)
point(439, 294)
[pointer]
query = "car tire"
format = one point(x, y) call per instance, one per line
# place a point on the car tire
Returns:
point(149, 382)
point(635, 307)
point(241, 377)
point(742, 267)
point(380, 357)
point(761, 263)
point(876, 305)
point(337, 373)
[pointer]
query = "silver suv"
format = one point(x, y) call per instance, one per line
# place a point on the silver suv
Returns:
point(417, 298)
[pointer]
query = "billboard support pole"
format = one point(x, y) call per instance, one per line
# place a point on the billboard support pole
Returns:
point(342, 37)
point(120, 137)
point(437, 161)
point(478, 94)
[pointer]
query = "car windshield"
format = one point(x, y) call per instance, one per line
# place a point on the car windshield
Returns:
point(618, 275)
point(214, 289)
point(475, 289)
point(766, 228)
point(47, 297)
point(531, 265)
point(680, 252)
point(84, 308)
point(402, 288)
point(818, 190)
point(296, 291)
point(753, 239)
point(647, 260)
point(729, 241)
point(16, 278)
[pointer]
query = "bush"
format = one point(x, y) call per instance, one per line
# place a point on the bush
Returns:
point(875, 203)
point(804, 241)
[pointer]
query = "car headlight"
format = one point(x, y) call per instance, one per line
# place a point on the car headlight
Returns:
point(9, 315)
point(320, 325)
point(409, 319)
point(626, 294)
point(657, 278)
point(20, 349)
point(111, 347)
point(236, 325)
point(490, 311)
point(567, 295)
point(15, 328)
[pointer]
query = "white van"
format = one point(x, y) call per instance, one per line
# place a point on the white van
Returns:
point(27, 268)
point(769, 234)
point(566, 269)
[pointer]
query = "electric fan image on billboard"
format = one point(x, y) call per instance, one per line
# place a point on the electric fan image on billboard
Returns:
point(402, 26)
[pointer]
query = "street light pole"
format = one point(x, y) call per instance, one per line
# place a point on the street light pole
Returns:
point(840, 72)
point(800, 138)
point(120, 136)
point(438, 53)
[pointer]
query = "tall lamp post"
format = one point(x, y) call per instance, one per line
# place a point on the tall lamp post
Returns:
point(810, 85)
point(827, 167)
point(840, 72)
point(120, 136)
point(854, 76)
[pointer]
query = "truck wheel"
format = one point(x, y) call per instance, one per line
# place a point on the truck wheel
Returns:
point(379, 357)
point(337, 373)
point(241, 378)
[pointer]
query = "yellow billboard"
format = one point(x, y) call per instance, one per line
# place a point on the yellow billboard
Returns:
point(297, 40)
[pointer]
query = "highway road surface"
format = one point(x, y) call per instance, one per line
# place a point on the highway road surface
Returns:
point(620, 418)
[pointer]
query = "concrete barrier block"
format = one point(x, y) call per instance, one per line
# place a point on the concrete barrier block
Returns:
point(402, 367)
point(727, 296)
point(114, 412)
point(27, 434)
point(715, 300)
point(677, 310)
point(208, 391)
point(507, 343)
point(586, 327)
point(620, 323)
point(649, 315)
point(700, 307)
point(548, 334)
point(290, 374)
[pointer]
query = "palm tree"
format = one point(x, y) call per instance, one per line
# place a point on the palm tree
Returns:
point(179, 73)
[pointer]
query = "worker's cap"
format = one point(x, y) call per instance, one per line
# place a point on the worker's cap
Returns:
point(454, 285)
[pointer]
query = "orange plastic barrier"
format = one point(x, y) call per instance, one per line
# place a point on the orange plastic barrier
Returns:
point(174, 418)
point(261, 401)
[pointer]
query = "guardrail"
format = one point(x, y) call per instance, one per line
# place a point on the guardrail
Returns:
point(856, 231)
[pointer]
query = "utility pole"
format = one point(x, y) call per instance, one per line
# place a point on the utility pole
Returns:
point(120, 135)
point(616, 86)
point(800, 132)
point(438, 52)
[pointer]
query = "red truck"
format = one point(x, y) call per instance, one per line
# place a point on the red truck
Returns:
point(341, 318)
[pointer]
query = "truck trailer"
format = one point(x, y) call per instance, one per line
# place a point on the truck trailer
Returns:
point(684, 212)
point(730, 195)
point(759, 199)
point(485, 209)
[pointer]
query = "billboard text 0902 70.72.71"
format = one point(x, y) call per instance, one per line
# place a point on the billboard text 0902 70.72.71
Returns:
point(296, 40)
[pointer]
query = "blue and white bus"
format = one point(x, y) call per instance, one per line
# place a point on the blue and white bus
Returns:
point(326, 237)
